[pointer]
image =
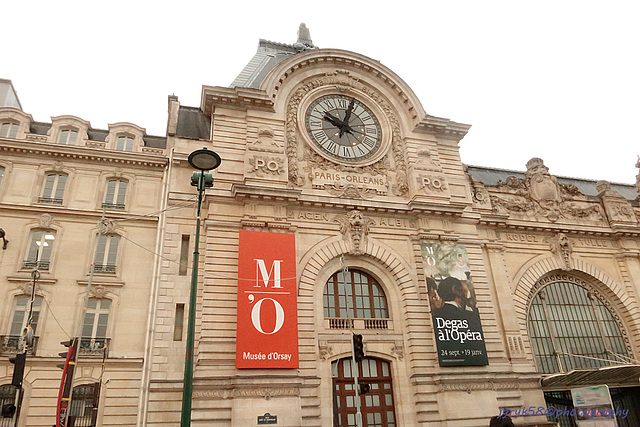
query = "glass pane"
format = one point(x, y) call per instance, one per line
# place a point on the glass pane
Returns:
point(62, 180)
point(87, 327)
point(122, 191)
point(113, 249)
point(111, 190)
point(100, 250)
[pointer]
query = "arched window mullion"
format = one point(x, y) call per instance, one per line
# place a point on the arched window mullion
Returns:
point(549, 323)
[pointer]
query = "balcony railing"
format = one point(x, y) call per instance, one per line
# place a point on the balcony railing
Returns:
point(50, 200)
point(40, 265)
point(104, 268)
point(117, 206)
point(94, 347)
point(337, 323)
point(12, 344)
point(376, 324)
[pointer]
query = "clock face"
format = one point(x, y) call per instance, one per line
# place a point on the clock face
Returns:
point(343, 128)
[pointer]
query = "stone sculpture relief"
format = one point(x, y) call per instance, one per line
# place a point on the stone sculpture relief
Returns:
point(355, 227)
point(540, 194)
point(561, 246)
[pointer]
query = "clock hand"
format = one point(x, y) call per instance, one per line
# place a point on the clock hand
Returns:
point(347, 114)
point(333, 120)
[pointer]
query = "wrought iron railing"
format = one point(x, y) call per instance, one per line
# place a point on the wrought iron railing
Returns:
point(94, 347)
point(12, 344)
point(118, 206)
point(104, 268)
point(40, 265)
point(50, 200)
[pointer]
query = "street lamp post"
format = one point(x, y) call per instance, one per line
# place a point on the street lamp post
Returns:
point(203, 160)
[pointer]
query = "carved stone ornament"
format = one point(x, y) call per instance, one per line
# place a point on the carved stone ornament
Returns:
point(57, 166)
point(98, 291)
point(118, 172)
point(45, 220)
point(265, 141)
point(397, 349)
point(432, 183)
point(350, 191)
point(106, 226)
point(481, 196)
point(426, 161)
point(539, 193)
point(355, 226)
point(618, 209)
point(265, 392)
point(562, 247)
point(266, 165)
point(342, 81)
point(325, 351)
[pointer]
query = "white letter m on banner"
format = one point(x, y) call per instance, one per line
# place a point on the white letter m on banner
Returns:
point(261, 270)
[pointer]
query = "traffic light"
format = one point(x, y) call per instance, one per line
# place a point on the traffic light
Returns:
point(364, 388)
point(207, 180)
point(8, 410)
point(18, 371)
point(358, 347)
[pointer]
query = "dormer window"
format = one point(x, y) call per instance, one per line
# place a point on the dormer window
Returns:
point(9, 130)
point(68, 136)
point(124, 143)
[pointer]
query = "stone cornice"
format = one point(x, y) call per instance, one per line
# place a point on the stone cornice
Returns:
point(38, 209)
point(240, 98)
point(79, 153)
point(442, 127)
point(570, 229)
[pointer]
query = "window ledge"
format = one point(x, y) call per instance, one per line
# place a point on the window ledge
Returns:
point(45, 278)
point(102, 280)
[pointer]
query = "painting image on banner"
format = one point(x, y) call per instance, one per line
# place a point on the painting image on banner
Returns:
point(267, 323)
point(452, 297)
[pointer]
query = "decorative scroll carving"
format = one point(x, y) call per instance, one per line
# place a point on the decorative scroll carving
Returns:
point(562, 247)
point(516, 345)
point(355, 226)
point(265, 141)
point(350, 191)
point(324, 350)
point(98, 291)
point(480, 194)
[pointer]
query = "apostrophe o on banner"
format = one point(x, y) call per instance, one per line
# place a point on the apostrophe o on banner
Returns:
point(452, 297)
point(267, 324)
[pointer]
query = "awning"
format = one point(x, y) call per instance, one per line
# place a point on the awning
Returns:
point(613, 376)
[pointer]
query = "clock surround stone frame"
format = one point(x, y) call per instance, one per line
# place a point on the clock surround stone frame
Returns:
point(334, 89)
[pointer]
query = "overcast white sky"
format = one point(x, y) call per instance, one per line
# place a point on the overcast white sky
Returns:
point(557, 79)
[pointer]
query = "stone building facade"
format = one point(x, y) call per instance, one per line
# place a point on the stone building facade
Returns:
point(334, 148)
point(71, 195)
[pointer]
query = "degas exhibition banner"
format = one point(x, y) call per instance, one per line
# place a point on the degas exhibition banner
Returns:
point(452, 297)
point(267, 331)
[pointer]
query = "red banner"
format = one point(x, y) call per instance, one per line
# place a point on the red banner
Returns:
point(267, 331)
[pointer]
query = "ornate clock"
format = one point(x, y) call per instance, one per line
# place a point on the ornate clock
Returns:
point(343, 128)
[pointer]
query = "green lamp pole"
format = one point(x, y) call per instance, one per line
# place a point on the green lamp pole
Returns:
point(203, 160)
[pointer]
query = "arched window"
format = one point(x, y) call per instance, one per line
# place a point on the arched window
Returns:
point(115, 194)
point(376, 406)
point(68, 136)
point(354, 295)
point(571, 328)
point(84, 405)
point(53, 188)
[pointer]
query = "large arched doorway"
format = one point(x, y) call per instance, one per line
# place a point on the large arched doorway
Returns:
point(574, 330)
point(376, 406)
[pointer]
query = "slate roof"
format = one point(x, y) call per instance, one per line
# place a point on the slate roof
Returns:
point(491, 177)
point(40, 128)
point(269, 55)
point(193, 124)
